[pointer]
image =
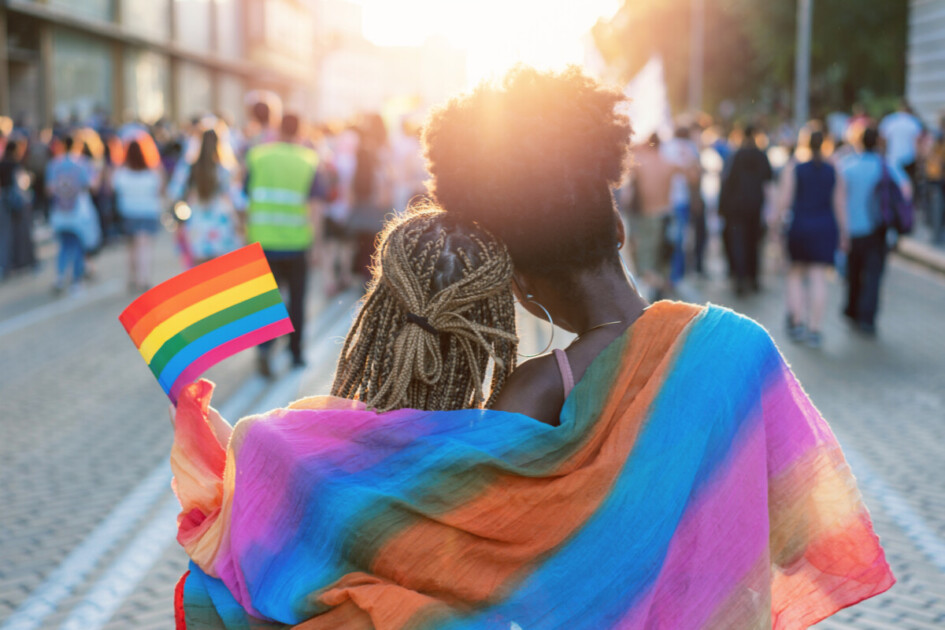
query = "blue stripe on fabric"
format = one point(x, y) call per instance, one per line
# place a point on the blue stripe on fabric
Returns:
point(614, 559)
point(496, 441)
point(303, 563)
point(197, 348)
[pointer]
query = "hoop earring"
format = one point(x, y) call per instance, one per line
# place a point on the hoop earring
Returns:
point(529, 298)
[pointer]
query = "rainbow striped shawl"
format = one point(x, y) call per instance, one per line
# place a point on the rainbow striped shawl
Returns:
point(690, 484)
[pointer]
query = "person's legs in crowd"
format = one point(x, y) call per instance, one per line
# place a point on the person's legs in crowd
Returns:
point(142, 249)
point(264, 354)
point(291, 274)
point(740, 244)
point(873, 264)
point(700, 235)
point(753, 236)
point(78, 262)
point(71, 254)
point(63, 259)
point(23, 250)
point(6, 241)
point(855, 259)
point(817, 291)
point(296, 275)
point(337, 258)
point(913, 174)
point(796, 302)
point(132, 262)
point(647, 235)
point(937, 210)
point(728, 245)
point(677, 267)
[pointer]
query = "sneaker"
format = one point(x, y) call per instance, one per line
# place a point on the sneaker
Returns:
point(298, 363)
point(866, 328)
point(796, 332)
point(814, 339)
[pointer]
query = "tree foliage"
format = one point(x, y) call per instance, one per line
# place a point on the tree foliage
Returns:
point(858, 49)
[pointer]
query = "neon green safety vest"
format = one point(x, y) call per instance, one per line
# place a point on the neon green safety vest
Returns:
point(280, 177)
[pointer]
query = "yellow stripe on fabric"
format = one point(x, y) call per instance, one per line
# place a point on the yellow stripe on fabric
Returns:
point(196, 312)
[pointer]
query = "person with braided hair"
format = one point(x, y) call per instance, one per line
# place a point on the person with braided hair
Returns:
point(437, 310)
point(665, 471)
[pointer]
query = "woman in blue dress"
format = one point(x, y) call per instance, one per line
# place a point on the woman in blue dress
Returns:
point(816, 228)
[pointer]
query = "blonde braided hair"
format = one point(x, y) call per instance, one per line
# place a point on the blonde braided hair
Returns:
point(438, 309)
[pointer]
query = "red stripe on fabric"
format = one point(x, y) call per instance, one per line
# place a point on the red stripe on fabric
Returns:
point(173, 305)
point(180, 283)
point(180, 618)
point(211, 358)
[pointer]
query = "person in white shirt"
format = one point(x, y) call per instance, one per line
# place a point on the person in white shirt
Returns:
point(139, 192)
point(901, 131)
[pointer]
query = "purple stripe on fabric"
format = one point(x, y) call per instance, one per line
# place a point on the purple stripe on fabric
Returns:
point(281, 446)
point(804, 431)
point(727, 522)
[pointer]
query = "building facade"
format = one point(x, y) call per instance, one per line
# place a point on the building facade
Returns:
point(925, 61)
point(65, 60)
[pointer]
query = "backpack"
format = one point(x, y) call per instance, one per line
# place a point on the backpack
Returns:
point(895, 211)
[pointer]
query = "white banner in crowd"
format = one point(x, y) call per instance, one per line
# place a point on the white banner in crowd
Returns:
point(649, 109)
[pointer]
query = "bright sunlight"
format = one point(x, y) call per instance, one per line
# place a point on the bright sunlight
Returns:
point(495, 34)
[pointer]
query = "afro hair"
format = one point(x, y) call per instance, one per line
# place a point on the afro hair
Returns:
point(534, 159)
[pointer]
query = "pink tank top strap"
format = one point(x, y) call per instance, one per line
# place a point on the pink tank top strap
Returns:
point(564, 366)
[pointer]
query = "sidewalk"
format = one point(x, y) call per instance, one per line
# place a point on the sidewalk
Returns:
point(922, 252)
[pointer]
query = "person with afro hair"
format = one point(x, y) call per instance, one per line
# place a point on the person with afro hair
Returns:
point(534, 159)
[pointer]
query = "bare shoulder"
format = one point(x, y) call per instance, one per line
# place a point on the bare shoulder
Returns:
point(534, 389)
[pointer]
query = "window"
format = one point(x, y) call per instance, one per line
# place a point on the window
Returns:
point(194, 90)
point(192, 20)
point(230, 97)
point(94, 9)
point(229, 28)
point(146, 84)
point(82, 76)
point(150, 18)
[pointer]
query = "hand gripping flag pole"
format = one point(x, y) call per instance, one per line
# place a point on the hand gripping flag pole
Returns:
point(196, 319)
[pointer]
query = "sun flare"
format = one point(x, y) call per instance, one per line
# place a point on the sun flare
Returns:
point(495, 34)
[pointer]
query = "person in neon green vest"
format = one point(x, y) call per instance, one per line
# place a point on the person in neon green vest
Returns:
point(285, 192)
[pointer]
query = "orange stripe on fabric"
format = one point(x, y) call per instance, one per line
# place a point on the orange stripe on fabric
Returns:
point(195, 294)
point(354, 600)
point(472, 552)
point(182, 282)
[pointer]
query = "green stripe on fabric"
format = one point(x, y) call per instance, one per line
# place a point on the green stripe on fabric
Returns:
point(208, 324)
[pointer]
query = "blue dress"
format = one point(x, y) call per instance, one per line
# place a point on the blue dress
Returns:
point(813, 234)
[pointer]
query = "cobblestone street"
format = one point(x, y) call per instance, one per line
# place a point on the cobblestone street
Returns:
point(87, 519)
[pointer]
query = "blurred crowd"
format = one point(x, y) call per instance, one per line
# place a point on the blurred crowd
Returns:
point(835, 194)
point(93, 185)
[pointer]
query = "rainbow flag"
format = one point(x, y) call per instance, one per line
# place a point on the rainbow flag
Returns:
point(691, 484)
point(196, 319)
